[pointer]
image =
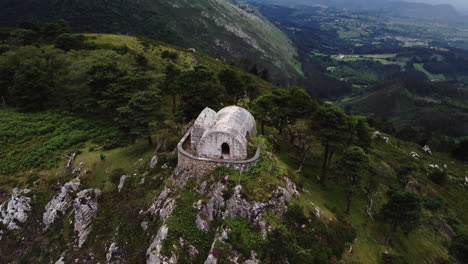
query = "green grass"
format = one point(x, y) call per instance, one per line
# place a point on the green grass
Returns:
point(425, 244)
point(349, 34)
point(38, 141)
point(319, 54)
point(431, 76)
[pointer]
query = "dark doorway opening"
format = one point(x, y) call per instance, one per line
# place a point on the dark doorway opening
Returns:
point(225, 150)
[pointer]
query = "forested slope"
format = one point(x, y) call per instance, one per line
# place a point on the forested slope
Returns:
point(88, 170)
point(225, 29)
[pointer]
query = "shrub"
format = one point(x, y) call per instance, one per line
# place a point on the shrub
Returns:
point(439, 177)
point(115, 175)
point(69, 42)
point(459, 246)
point(169, 55)
point(388, 258)
point(244, 237)
point(433, 203)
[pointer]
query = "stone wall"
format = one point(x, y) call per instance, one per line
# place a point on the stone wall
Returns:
point(210, 146)
point(202, 166)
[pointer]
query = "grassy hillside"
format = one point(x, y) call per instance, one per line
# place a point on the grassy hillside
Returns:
point(314, 227)
point(225, 29)
point(404, 106)
point(426, 244)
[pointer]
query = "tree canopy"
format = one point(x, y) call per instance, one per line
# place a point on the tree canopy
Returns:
point(352, 168)
point(403, 210)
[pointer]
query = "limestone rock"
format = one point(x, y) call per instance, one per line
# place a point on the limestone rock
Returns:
point(15, 210)
point(427, 149)
point(415, 155)
point(221, 236)
point(163, 206)
point(111, 252)
point(414, 186)
point(122, 182)
point(377, 134)
point(193, 252)
point(435, 166)
point(253, 259)
point(181, 177)
point(154, 162)
point(202, 224)
point(60, 261)
point(317, 212)
point(212, 209)
point(236, 206)
point(291, 187)
point(60, 203)
point(86, 207)
point(154, 251)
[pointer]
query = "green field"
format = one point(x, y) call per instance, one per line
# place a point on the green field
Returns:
point(431, 76)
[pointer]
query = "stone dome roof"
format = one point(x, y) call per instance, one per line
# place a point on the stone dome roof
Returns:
point(234, 120)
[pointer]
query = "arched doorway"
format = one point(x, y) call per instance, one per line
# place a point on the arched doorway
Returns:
point(225, 151)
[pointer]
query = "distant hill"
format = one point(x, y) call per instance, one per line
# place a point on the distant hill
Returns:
point(441, 12)
point(223, 28)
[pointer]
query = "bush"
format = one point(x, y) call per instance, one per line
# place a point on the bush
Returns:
point(459, 246)
point(69, 42)
point(4, 48)
point(244, 237)
point(292, 240)
point(439, 177)
point(388, 258)
point(115, 175)
point(169, 55)
point(433, 203)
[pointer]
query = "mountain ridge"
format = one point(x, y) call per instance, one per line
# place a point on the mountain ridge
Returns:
point(225, 29)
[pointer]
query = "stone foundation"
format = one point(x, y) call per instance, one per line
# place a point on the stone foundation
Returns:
point(201, 166)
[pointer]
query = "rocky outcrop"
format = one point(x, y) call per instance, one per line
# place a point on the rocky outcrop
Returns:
point(236, 206)
point(153, 253)
point(122, 182)
point(60, 261)
point(378, 135)
point(111, 252)
point(153, 162)
point(291, 187)
point(221, 236)
point(427, 149)
point(163, 206)
point(60, 203)
point(86, 207)
point(212, 209)
point(15, 210)
point(220, 205)
point(414, 186)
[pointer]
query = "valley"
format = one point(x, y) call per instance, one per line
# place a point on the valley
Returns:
point(369, 51)
point(216, 131)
